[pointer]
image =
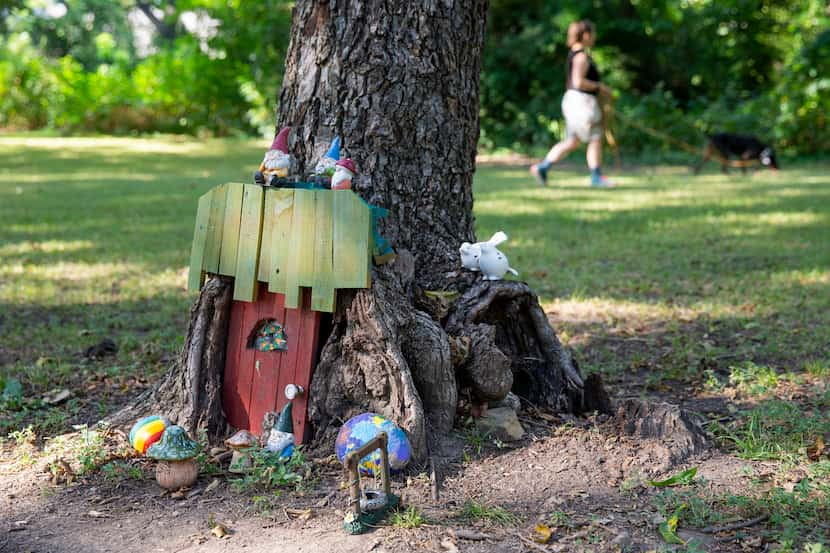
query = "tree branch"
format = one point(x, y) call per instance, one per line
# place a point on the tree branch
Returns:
point(165, 30)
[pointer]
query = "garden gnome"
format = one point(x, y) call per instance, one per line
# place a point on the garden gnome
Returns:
point(281, 437)
point(325, 167)
point(276, 162)
point(493, 263)
point(344, 172)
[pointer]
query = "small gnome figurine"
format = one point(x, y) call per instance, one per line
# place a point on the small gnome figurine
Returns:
point(325, 167)
point(276, 162)
point(344, 172)
point(281, 437)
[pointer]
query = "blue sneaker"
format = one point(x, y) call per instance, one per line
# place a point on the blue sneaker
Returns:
point(601, 181)
point(541, 174)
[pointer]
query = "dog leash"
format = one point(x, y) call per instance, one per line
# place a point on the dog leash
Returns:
point(609, 108)
point(607, 124)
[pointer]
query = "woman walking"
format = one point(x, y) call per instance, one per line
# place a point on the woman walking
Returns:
point(580, 106)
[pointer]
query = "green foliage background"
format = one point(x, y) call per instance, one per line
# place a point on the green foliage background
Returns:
point(683, 67)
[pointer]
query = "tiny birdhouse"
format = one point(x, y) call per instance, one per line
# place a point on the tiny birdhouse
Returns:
point(289, 251)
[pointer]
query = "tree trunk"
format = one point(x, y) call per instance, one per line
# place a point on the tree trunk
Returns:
point(398, 82)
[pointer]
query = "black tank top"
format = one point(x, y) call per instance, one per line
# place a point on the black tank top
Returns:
point(593, 72)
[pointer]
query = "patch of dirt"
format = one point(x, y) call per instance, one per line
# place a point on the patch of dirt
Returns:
point(578, 468)
point(583, 477)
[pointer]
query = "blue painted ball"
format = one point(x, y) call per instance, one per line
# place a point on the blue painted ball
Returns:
point(362, 428)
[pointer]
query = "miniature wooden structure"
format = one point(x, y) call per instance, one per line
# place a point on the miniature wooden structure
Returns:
point(289, 251)
point(376, 503)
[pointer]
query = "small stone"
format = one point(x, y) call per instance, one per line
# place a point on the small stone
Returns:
point(511, 400)
point(56, 397)
point(622, 540)
point(501, 423)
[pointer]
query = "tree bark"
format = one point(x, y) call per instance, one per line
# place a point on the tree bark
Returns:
point(398, 82)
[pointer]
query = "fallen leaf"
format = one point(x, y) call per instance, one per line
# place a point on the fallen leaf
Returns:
point(681, 478)
point(212, 486)
point(302, 514)
point(752, 543)
point(668, 529)
point(815, 451)
point(541, 533)
point(56, 397)
point(441, 294)
point(448, 546)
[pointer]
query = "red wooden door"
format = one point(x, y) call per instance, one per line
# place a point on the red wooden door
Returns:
point(255, 380)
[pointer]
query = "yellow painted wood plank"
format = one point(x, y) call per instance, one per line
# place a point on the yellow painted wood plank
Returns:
point(322, 287)
point(282, 213)
point(214, 233)
point(268, 224)
point(250, 236)
point(351, 233)
point(230, 230)
point(300, 260)
point(195, 276)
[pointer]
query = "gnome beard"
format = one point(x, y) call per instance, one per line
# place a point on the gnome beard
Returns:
point(325, 167)
point(342, 178)
point(275, 164)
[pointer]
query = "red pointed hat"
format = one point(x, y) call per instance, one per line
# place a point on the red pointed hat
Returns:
point(348, 164)
point(281, 140)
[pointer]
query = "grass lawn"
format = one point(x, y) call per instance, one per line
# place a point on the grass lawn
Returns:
point(670, 285)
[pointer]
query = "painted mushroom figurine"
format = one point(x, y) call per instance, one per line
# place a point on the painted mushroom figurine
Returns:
point(241, 443)
point(176, 456)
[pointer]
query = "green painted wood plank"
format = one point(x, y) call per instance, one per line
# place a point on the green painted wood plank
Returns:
point(268, 224)
point(300, 260)
point(280, 242)
point(230, 230)
point(250, 236)
point(322, 288)
point(214, 233)
point(352, 231)
point(195, 276)
point(305, 272)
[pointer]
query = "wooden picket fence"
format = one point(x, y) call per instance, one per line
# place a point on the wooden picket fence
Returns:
point(287, 238)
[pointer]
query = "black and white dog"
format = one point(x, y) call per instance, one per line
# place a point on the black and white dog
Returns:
point(748, 149)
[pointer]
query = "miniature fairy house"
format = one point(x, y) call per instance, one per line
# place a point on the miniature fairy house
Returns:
point(289, 251)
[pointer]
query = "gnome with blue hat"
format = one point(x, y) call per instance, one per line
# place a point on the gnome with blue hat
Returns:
point(325, 167)
point(281, 437)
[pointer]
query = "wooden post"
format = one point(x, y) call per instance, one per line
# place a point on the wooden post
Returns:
point(352, 461)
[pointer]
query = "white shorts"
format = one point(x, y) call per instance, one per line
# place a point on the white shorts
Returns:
point(583, 116)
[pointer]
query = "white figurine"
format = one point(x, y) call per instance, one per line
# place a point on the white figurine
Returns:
point(493, 263)
point(470, 253)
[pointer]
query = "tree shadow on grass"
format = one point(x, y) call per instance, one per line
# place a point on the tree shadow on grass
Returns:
point(645, 253)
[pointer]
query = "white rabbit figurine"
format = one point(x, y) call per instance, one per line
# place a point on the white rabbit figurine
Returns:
point(493, 263)
point(470, 253)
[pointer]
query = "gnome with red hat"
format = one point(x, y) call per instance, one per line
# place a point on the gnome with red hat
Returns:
point(344, 172)
point(276, 162)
